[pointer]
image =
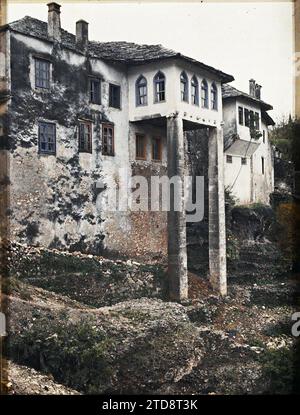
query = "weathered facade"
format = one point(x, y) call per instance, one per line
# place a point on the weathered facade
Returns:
point(76, 113)
point(248, 155)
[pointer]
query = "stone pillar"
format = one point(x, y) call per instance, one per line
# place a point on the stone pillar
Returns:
point(216, 216)
point(252, 189)
point(3, 12)
point(177, 257)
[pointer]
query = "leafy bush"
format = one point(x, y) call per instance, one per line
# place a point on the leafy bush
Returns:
point(278, 367)
point(76, 354)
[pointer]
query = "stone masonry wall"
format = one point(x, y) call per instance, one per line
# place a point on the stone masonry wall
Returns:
point(53, 198)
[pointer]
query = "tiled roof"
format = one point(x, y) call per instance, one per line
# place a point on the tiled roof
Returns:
point(229, 91)
point(242, 148)
point(123, 52)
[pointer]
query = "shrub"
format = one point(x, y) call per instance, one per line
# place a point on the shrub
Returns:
point(76, 354)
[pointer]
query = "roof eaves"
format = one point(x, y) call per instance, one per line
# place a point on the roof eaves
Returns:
point(4, 27)
point(45, 39)
point(269, 120)
point(223, 76)
point(158, 53)
point(240, 94)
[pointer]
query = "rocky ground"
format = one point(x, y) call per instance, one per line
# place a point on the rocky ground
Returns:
point(23, 380)
point(85, 324)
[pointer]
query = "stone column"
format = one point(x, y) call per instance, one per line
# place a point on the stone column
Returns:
point(177, 257)
point(216, 216)
point(252, 190)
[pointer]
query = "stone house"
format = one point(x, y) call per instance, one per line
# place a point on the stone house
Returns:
point(76, 112)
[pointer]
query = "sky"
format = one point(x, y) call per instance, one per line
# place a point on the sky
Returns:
point(246, 40)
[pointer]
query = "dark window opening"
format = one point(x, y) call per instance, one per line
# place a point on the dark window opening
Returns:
point(264, 136)
point(42, 73)
point(108, 146)
point(184, 87)
point(114, 96)
point(195, 91)
point(95, 91)
point(247, 118)
point(244, 160)
point(252, 120)
point(156, 149)
point(140, 147)
point(204, 94)
point(214, 97)
point(241, 116)
point(47, 138)
point(85, 137)
point(256, 120)
point(141, 91)
point(262, 165)
point(160, 87)
point(229, 159)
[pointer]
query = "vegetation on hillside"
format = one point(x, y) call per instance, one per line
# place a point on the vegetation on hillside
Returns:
point(286, 137)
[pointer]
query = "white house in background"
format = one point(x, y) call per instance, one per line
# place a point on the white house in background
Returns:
point(248, 154)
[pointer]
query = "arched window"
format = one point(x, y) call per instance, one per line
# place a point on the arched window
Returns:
point(195, 91)
point(214, 96)
point(184, 87)
point(141, 91)
point(159, 87)
point(204, 94)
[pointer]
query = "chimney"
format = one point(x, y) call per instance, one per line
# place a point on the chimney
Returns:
point(258, 91)
point(54, 21)
point(82, 34)
point(252, 87)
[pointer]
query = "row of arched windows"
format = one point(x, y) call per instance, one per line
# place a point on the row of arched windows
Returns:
point(159, 82)
point(159, 89)
point(184, 84)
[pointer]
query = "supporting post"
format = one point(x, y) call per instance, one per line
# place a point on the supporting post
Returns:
point(216, 217)
point(177, 257)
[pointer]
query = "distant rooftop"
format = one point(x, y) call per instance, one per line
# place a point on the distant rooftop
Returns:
point(122, 52)
point(229, 91)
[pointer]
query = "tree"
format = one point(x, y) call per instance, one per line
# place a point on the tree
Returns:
point(286, 137)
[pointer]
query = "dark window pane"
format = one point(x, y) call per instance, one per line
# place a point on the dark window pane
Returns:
point(251, 115)
point(195, 91)
point(108, 140)
point(247, 119)
point(95, 86)
point(156, 149)
point(47, 138)
point(85, 137)
point(141, 91)
point(42, 74)
point(114, 96)
point(256, 119)
point(140, 147)
point(204, 94)
point(159, 84)
point(241, 116)
point(184, 87)
point(214, 97)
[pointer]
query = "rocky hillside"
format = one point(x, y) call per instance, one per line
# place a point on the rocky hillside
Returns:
point(86, 324)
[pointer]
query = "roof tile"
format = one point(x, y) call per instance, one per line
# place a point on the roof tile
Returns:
point(123, 52)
